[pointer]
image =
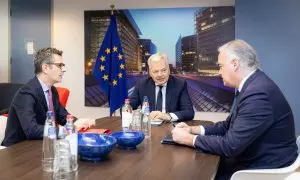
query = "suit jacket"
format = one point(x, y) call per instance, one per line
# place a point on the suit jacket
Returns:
point(27, 113)
point(177, 97)
point(260, 131)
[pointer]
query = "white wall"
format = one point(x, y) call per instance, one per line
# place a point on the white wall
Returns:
point(68, 35)
point(4, 41)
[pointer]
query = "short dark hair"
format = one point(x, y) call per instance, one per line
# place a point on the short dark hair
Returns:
point(44, 56)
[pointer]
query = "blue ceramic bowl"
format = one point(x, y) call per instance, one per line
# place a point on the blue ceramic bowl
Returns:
point(128, 140)
point(94, 146)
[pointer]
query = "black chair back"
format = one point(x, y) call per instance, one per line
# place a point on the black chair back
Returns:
point(7, 92)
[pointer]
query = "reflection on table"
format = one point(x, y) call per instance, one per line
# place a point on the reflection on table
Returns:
point(151, 160)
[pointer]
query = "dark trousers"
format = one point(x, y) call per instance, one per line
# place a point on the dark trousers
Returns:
point(227, 167)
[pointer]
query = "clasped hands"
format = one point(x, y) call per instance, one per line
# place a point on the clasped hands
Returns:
point(183, 134)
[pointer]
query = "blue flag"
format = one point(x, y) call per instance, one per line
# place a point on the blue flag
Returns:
point(109, 68)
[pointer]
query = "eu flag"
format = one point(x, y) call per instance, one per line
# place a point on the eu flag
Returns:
point(109, 68)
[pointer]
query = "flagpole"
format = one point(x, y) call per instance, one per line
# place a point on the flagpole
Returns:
point(112, 13)
point(112, 9)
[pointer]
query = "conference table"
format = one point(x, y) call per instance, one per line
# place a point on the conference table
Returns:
point(151, 160)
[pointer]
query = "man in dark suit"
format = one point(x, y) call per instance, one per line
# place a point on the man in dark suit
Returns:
point(259, 132)
point(168, 96)
point(28, 109)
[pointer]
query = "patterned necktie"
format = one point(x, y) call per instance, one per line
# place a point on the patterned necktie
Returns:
point(51, 108)
point(50, 101)
point(236, 95)
point(159, 99)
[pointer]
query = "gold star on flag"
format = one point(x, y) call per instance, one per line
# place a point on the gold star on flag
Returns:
point(120, 56)
point(107, 50)
point(102, 58)
point(102, 68)
point(115, 49)
point(120, 75)
point(115, 82)
point(122, 66)
point(105, 77)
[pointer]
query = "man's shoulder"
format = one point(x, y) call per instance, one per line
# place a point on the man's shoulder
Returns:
point(145, 80)
point(30, 86)
point(177, 81)
point(260, 82)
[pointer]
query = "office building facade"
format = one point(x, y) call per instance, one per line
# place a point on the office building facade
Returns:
point(214, 27)
point(189, 53)
point(96, 24)
point(147, 49)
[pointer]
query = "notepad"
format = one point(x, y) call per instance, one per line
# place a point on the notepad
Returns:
point(157, 123)
point(168, 139)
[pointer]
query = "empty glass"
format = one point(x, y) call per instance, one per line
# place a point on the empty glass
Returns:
point(73, 140)
point(62, 160)
point(136, 123)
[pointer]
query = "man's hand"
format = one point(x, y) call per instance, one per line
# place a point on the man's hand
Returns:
point(159, 116)
point(182, 136)
point(184, 126)
point(189, 129)
point(154, 114)
point(84, 123)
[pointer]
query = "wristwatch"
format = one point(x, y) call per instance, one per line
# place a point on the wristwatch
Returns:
point(169, 117)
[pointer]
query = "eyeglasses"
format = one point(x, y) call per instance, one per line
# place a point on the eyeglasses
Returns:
point(59, 65)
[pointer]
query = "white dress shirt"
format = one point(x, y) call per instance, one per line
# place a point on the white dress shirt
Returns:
point(45, 89)
point(163, 90)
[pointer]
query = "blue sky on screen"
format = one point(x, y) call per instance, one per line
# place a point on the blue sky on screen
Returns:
point(164, 26)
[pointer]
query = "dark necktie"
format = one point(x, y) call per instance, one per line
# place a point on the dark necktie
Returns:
point(236, 95)
point(159, 99)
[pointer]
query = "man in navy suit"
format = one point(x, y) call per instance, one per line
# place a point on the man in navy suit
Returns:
point(27, 113)
point(259, 132)
point(168, 96)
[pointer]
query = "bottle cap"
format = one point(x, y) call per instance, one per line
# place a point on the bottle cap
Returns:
point(70, 117)
point(145, 98)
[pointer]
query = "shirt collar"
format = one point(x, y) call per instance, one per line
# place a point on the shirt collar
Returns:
point(44, 86)
point(244, 80)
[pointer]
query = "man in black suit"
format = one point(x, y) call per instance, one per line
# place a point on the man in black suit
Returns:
point(168, 96)
point(259, 132)
point(28, 109)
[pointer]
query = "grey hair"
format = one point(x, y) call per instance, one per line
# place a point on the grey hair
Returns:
point(157, 57)
point(241, 51)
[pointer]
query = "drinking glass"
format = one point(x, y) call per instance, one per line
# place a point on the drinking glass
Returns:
point(62, 160)
point(136, 123)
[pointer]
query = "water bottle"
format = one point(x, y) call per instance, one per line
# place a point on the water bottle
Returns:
point(146, 124)
point(126, 115)
point(69, 127)
point(49, 140)
point(61, 132)
point(72, 136)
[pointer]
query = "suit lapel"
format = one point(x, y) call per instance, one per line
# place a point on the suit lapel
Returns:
point(151, 97)
point(55, 99)
point(41, 93)
point(169, 93)
point(248, 81)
